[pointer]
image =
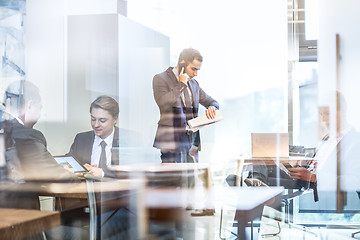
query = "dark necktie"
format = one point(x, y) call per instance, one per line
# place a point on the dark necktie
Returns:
point(189, 110)
point(102, 162)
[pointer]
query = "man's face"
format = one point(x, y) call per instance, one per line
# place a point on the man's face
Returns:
point(102, 122)
point(193, 68)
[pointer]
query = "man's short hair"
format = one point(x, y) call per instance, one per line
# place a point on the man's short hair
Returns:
point(106, 103)
point(189, 54)
point(19, 92)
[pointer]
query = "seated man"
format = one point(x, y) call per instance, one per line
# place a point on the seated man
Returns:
point(93, 148)
point(343, 143)
point(27, 155)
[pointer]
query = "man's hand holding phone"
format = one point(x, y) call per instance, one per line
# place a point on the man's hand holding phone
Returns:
point(183, 77)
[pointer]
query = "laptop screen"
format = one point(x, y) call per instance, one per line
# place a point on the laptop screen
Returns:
point(71, 162)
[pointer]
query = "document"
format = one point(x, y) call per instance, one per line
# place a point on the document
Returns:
point(196, 123)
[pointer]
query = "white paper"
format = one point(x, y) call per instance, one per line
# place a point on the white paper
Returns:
point(196, 123)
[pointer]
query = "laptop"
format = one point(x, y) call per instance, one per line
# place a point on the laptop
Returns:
point(270, 145)
point(71, 162)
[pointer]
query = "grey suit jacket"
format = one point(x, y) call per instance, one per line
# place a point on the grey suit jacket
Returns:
point(172, 124)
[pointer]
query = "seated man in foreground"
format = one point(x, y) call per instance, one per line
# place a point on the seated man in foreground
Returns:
point(28, 158)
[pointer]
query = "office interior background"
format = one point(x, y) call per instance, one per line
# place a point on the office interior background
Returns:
point(271, 65)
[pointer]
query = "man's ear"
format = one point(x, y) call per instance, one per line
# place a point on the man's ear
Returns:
point(28, 105)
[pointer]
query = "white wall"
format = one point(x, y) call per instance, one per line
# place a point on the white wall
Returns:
point(116, 56)
point(66, 113)
point(347, 17)
point(244, 45)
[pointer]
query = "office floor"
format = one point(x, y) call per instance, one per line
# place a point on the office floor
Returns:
point(199, 228)
point(208, 227)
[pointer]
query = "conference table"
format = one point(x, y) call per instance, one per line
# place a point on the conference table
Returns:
point(21, 223)
point(132, 190)
point(247, 201)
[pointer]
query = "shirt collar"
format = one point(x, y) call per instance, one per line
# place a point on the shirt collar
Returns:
point(7, 115)
point(107, 140)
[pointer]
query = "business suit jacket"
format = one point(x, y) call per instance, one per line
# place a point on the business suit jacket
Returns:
point(29, 160)
point(81, 148)
point(170, 134)
point(34, 160)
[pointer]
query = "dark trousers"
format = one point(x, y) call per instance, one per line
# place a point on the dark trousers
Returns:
point(180, 155)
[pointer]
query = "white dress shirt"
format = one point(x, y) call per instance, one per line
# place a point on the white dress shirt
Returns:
point(96, 149)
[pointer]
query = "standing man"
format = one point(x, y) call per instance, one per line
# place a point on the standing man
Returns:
point(93, 148)
point(178, 95)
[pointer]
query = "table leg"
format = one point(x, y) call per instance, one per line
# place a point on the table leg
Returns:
point(241, 226)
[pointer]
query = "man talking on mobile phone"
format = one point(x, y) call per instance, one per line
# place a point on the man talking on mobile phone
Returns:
point(178, 96)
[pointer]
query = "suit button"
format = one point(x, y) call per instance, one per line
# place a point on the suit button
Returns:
point(184, 123)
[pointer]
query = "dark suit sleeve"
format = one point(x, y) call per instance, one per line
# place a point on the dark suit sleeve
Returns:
point(36, 162)
point(73, 148)
point(165, 96)
point(81, 148)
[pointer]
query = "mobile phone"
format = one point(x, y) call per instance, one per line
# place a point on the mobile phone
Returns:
point(181, 66)
point(287, 165)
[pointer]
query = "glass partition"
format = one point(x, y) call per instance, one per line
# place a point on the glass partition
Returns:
point(273, 66)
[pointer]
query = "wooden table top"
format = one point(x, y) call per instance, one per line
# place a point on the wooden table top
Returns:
point(72, 188)
point(21, 223)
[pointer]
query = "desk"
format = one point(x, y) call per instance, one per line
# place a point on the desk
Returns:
point(21, 223)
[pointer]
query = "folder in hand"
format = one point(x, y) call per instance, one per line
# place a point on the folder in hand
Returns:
point(196, 123)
